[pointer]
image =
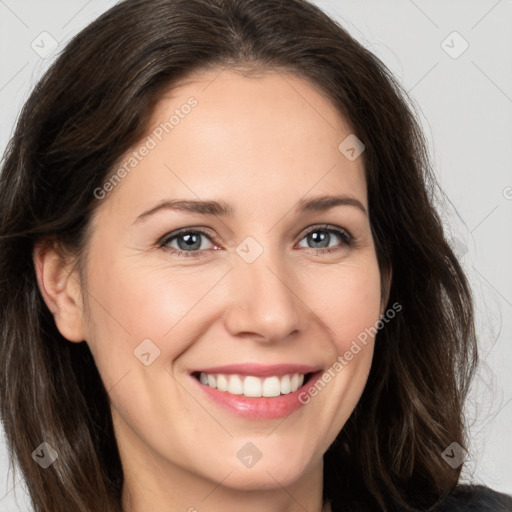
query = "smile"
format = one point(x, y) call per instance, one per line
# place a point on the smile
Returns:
point(255, 391)
point(252, 386)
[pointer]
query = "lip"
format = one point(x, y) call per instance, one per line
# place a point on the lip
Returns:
point(263, 408)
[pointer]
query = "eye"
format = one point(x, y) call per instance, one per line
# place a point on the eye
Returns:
point(321, 236)
point(188, 242)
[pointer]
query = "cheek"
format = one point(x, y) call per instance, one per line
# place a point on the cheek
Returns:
point(131, 303)
point(347, 299)
point(347, 302)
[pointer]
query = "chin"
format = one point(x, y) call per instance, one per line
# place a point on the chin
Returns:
point(278, 468)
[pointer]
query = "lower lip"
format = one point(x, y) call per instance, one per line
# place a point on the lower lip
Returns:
point(258, 408)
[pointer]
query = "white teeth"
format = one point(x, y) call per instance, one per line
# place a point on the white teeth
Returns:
point(212, 382)
point(222, 383)
point(271, 387)
point(285, 385)
point(235, 386)
point(252, 386)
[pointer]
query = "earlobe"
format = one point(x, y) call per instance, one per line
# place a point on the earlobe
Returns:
point(60, 289)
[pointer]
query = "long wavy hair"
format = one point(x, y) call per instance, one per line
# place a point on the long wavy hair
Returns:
point(89, 109)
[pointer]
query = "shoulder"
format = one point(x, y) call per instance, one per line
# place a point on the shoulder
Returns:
point(475, 498)
point(464, 498)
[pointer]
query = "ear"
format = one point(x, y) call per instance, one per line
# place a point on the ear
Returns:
point(386, 289)
point(60, 288)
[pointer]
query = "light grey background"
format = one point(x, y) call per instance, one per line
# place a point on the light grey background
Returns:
point(465, 105)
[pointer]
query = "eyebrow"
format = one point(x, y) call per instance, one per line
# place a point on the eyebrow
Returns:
point(223, 209)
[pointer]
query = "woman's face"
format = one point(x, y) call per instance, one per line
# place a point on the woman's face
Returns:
point(255, 298)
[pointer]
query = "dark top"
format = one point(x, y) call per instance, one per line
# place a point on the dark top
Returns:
point(464, 498)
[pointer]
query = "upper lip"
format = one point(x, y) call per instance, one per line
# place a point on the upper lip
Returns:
point(259, 370)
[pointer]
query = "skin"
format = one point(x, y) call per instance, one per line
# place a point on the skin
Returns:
point(261, 144)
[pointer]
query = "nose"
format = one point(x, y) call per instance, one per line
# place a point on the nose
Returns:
point(263, 304)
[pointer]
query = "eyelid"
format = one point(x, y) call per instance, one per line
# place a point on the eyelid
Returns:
point(327, 227)
point(174, 234)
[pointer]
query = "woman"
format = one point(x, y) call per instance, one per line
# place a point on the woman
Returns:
point(172, 336)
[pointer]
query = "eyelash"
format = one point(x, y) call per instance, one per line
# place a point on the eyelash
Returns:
point(343, 234)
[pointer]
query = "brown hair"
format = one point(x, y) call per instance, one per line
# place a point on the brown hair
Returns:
point(92, 105)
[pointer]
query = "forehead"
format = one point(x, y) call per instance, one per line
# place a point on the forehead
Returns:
point(272, 100)
point(222, 134)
